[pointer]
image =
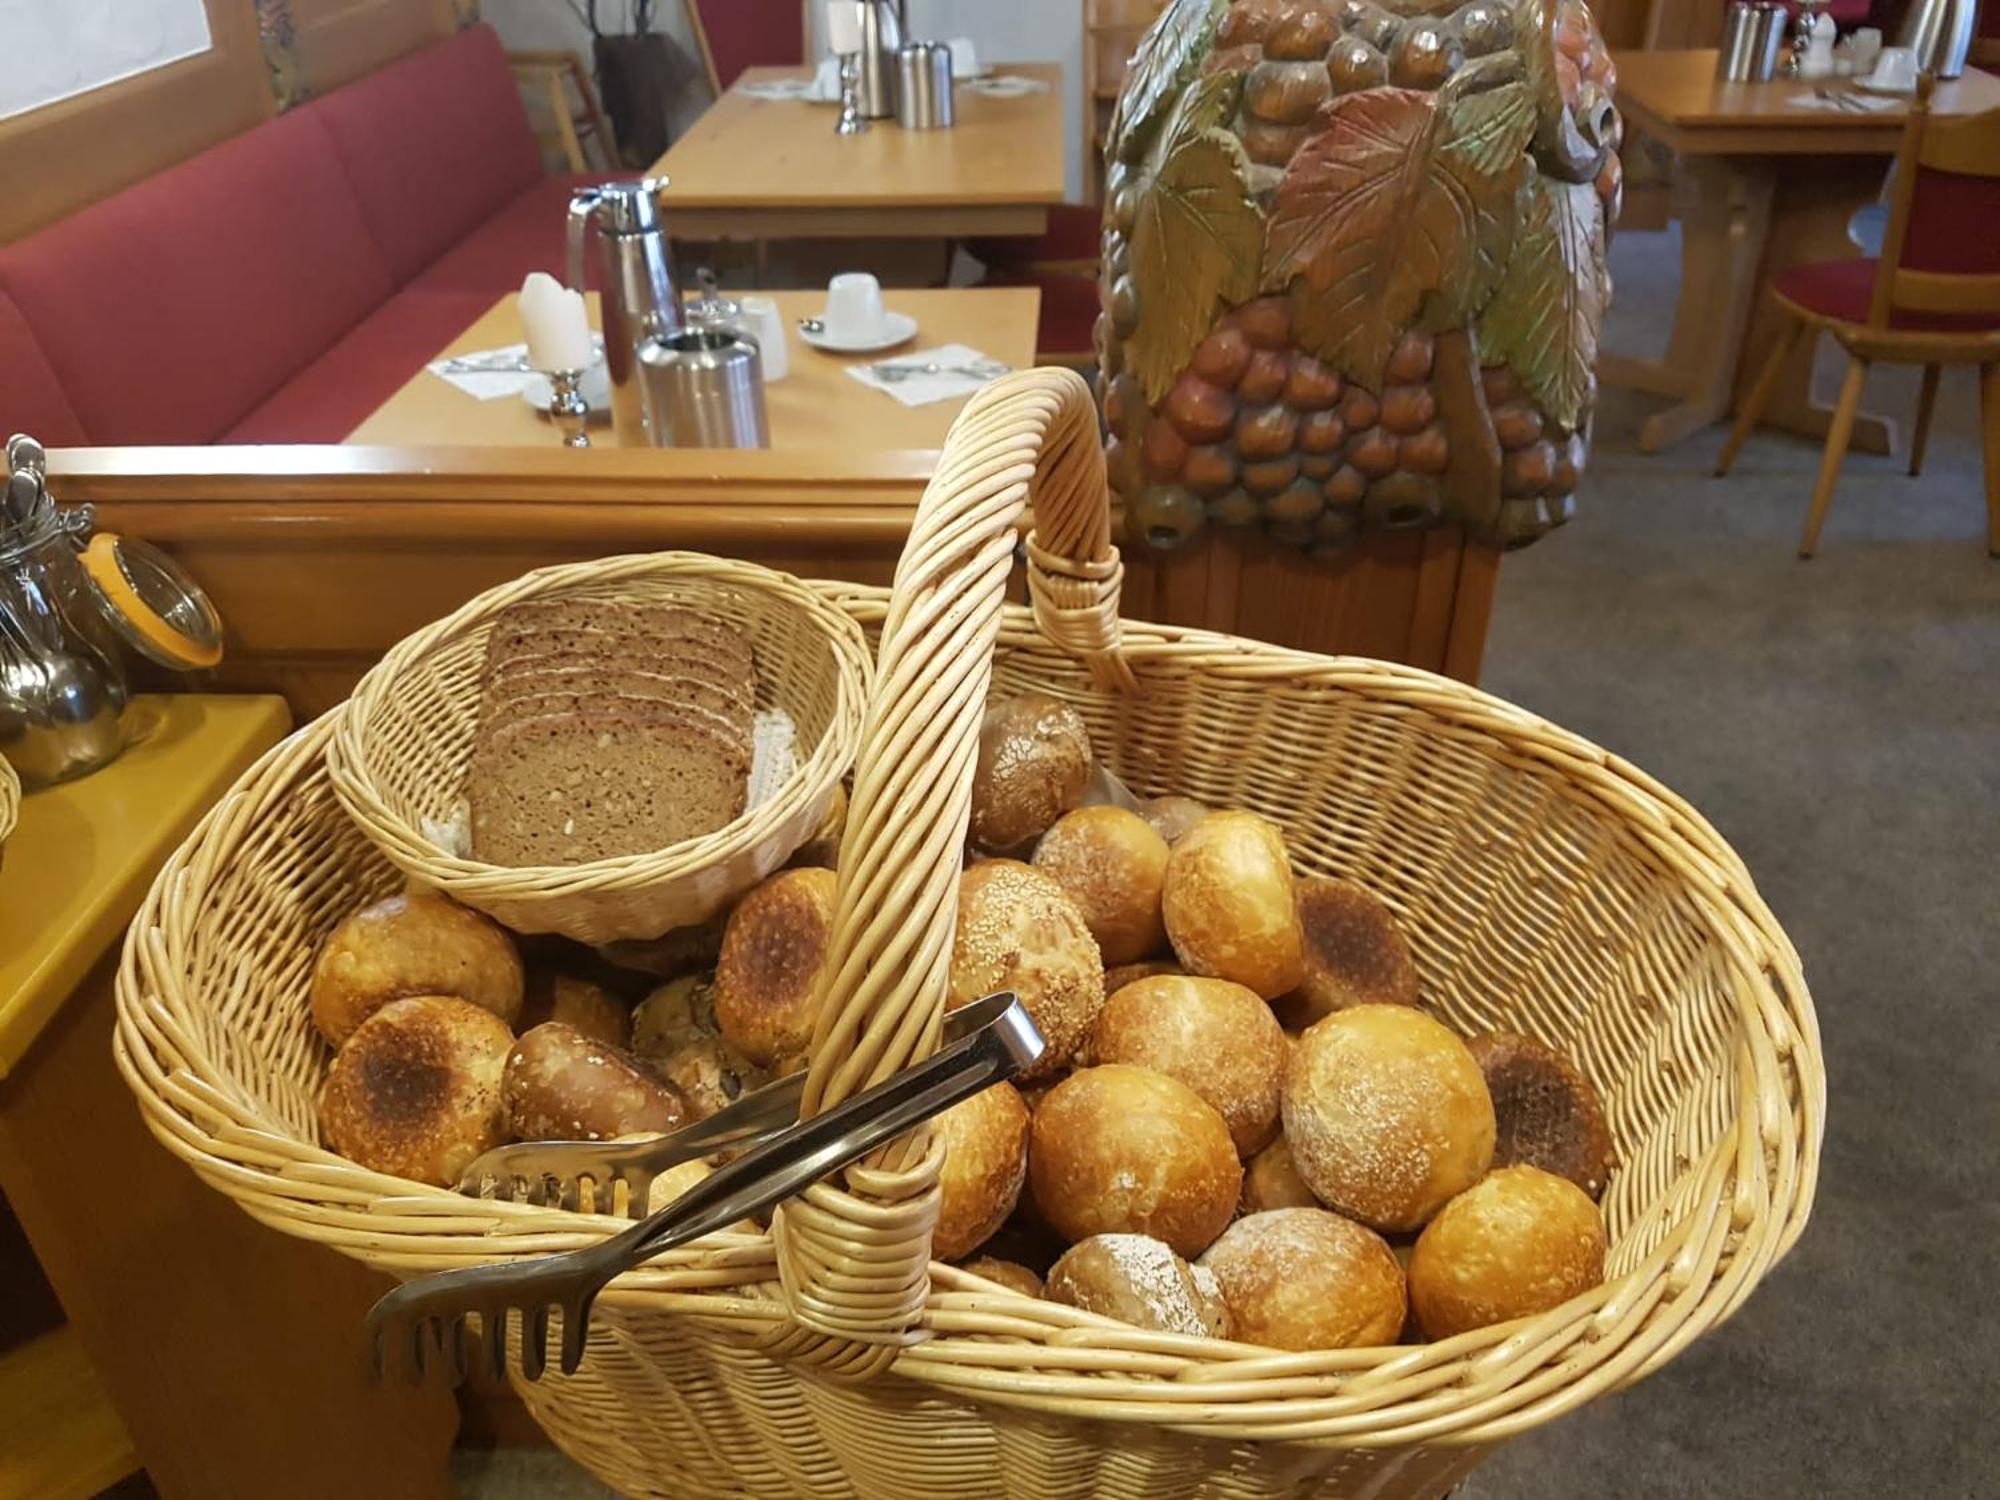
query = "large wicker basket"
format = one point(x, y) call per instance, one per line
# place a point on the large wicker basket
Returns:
point(10, 801)
point(1545, 885)
point(400, 750)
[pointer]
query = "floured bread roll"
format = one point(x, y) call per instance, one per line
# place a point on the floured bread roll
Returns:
point(1303, 1278)
point(1139, 1280)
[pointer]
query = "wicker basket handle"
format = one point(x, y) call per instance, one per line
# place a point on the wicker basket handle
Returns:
point(854, 1263)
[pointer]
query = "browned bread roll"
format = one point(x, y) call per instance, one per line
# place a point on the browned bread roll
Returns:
point(1124, 1150)
point(767, 979)
point(1008, 1273)
point(1355, 953)
point(416, 1092)
point(1034, 762)
point(711, 1075)
point(413, 945)
point(1546, 1113)
point(1387, 1115)
point(1270, 1180)
point(985, 1162)
point(1116, 978)
point(1170, 817)
point(1214, 1036)
point(1517, 1243)
point(1112, 865)
point(590, 1008)
point(1229, 904)
point(1018, 930)
point(1303, 1278)
point(1139, 1280)
point(673, 1016)
point(562, 1086)
point(672, 953)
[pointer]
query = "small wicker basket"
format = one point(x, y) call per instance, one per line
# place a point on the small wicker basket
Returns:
point(10, 801)
point(1545, 885)
point(400, 748)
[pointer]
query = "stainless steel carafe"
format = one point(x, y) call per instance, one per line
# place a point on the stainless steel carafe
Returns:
point(639, 300)
point(705, 389)
point(1940, 33)
point(881, 40)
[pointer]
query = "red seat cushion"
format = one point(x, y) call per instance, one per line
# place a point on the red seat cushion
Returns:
point(171, 309)
point(1073, 234)
point(752, 33)
point(31, 399)
point(1842, 289)
point(434, 144)
point(529, 234)
point(330, 398)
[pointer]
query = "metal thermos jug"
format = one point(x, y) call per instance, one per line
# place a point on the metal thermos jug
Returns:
point(881, 40)
point(704, 389)
point(639, 300)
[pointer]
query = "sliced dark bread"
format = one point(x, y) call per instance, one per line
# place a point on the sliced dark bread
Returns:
point(729, 735)
point(583, 623)
point(565, 789)
point(563, 672)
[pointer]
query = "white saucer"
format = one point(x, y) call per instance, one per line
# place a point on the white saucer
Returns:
point(596, 391)
point(1900, 91)
point(897, 328)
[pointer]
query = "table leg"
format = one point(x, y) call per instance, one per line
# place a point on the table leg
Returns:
point(233, 1352)
point(1815, 200)
point(1724, 216)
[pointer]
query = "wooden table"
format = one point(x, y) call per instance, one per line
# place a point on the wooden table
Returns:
point(232, 1352)
point(1767, 185)
point(774, 169)
point(817, 406)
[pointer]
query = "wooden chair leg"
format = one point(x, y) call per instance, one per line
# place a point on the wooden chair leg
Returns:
point(1760, 393)
point(1836, 449)
point(1926, 399)
point(566, 125)
point(1989, 428)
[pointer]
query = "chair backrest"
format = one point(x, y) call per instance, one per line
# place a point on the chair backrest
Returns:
point(1941, 255)
point(738, 34)
point(1111, 30)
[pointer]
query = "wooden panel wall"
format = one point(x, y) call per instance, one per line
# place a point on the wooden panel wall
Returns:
point(342, 40)
point(56, 159)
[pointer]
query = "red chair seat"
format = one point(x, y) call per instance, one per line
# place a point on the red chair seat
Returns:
point(1841, 289)
point(1073, 234)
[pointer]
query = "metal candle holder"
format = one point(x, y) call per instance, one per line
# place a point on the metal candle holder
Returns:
point(852, 121)
point(567, 406)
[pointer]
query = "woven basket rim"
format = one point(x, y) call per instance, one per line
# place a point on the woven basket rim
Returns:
point(416, 853)
point(1733, 1215)
point(10, 798)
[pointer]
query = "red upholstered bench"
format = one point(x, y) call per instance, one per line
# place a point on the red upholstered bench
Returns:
point(279, 287)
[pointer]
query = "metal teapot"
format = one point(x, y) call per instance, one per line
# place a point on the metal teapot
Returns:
point(68, 601)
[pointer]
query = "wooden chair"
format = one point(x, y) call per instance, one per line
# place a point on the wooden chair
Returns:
point(572, 127)
point(736, 34)
point(1933, 299)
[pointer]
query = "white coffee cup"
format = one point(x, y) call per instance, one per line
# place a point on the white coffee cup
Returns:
point(854, 310)
point(1866, 44)
point(964, 57)
point(1896, 68)
point(761, 321)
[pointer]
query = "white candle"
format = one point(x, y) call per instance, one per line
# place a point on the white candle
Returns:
point(843, 27)
point(557, 327)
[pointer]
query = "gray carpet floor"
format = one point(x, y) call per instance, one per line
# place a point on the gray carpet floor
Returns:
point(1839, 721)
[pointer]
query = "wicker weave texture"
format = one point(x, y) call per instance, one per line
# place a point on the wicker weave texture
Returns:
point(400, 760)
point(1544, 885)
point(10, 799)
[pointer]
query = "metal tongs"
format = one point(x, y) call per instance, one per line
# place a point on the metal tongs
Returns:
point(422, 1322)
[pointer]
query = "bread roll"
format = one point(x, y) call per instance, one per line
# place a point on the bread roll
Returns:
point(1272, 1181)
point(590, 1008)
point(1112, 864)
point(1008, 1273)
point(1517, 1243)
point(562, 1086)
point(1018, 930)
point(1170, 817)
point(767, 979)
point(1303, 1278)
point(1124, 1150)
point(1034, 762)
point(1546, 1114)
point(711, 1075)
point(413, 945)
point(1229, 904)
point(1214, 1036)
point(671, 954)
point(1115, 979)
point(1387, 1115)
point(673, 1017)
point(416, 1092)
point(1355, 953)
point(986, 1159)
point(1139, 1280)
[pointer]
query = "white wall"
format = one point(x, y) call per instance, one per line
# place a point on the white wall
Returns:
point(1004, 31)
point(51, 49)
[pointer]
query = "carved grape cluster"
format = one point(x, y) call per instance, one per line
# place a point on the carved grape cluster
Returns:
point(1246, 419)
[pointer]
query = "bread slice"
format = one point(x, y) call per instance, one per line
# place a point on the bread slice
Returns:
point(585, 624)
point(546, 671)
point(730, 737)
point(563, 789)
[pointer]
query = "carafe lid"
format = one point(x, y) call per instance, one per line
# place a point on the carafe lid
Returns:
point(155, 607)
